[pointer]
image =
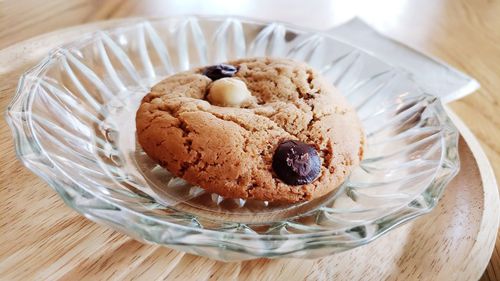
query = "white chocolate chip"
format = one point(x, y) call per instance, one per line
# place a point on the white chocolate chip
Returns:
point(228, 92)
point(157, 101)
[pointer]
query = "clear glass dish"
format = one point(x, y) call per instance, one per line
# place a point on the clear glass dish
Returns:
point(73, 123)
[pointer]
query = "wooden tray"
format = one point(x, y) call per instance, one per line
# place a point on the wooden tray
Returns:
point(41, 238)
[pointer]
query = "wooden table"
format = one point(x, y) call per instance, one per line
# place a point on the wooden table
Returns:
point(466, 34)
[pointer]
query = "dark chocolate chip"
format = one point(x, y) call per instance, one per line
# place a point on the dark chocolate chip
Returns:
point(296, 163)
point(219, 71)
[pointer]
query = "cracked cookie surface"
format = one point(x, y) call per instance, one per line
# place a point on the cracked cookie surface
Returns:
point(229, 151)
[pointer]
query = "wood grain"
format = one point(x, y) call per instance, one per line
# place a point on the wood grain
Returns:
point(57, 243)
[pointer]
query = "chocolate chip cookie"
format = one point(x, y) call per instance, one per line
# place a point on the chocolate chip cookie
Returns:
point(259, 128)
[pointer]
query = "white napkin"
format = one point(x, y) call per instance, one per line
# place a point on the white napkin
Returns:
point(434, 76)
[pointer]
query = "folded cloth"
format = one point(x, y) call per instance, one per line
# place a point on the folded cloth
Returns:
point(435, 77)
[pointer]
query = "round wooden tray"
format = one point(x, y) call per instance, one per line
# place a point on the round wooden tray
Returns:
point(43, 239)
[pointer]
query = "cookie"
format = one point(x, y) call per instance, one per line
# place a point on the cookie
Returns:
point(221, 128)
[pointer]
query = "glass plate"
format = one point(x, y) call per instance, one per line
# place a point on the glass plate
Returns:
point(73, 123)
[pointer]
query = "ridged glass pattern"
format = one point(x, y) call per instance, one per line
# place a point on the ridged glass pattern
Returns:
point(73, 123)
